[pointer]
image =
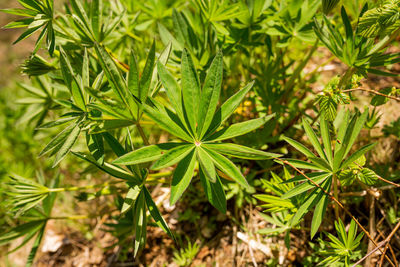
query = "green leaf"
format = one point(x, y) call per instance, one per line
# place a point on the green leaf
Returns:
point(55, 123)
point(133, 76)
point(172, 156)
point(306, 165)
point(58, 139)
point(307, 185)
point(313, 139)
point(328, 5)
point(214, 192)
point(182, 176)
point(356, 155)
point(352, 130)
point(347, 25)
point(172, 88)
point(71, 80)
point(356, 131)
point(242, 152)
point(347, 177)
point(20, 230)
point(130, 198)
point(115, 78)
point(147, 74)
point(206, 164)
point(326, 138)
point(322, 163)
point(210, 95)
point(314, 198)
point(299, 146)
point(228, 108)
point(155, 213)
point(320, 209)
point(227, 167)
point(190, 90)
point(368, 177)
point(239, 129)
point(167, 123)
point(96, 147)
point(67, 144)
point(35, 247)
point(145, 154)
point(139, 222)
point(114, 171)
point(116, 147)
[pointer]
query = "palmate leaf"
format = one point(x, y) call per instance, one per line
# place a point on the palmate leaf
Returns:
point(318, 178)
point(313, 199)
point(39, 15)
point(61, 144)
point(196, 122)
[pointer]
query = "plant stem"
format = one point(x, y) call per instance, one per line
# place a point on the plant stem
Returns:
point(336, 194)
point(289, 85)
point(333, 198)
point(141, 132)
point(346, 77)
point(79, 188)
point(71, 217)
point(372, 91)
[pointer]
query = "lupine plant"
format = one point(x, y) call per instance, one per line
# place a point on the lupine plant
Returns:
point(179, 93)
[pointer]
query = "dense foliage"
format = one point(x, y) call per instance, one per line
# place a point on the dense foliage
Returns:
point(171, 93)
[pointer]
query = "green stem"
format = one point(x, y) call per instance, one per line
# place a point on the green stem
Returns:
point(141, 132)
point(81, 188)
point(71, 217)
point(289, 85)
point(346, 78)
point(336, 194)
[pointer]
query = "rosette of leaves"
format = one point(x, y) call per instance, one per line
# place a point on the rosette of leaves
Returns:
point(353, 49)
point(196, 121)
point(330, 162)
point(38, 14)
point(293, 20)
point(345, 247)
point(25, 195)
point(282, 210)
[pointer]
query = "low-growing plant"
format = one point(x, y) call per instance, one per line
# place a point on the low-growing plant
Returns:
point(146, 94)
